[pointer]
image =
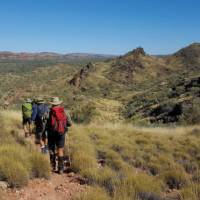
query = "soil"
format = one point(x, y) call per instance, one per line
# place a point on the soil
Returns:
point(59, 187)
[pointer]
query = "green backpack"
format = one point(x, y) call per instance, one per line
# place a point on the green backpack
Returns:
point(27, 110)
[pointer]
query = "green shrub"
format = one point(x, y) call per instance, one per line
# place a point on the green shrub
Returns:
point(40, 167)
point(84, 114)
point(175, 178)
point(191, 113)
point(15, 153)
point(13, 172)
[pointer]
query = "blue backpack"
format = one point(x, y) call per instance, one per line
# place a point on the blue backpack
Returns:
point(42, 113)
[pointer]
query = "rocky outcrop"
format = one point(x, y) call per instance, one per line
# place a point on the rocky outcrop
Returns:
point(123, 68)
point(195, 82)
point(166, 113)
point(81, 75)
point(137, 52)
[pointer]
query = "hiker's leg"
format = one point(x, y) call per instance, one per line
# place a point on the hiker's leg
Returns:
point(29, 126)
point(39, 139)
point(60, 143)
point(25, 127)
point(45, 140)
point(52, 148)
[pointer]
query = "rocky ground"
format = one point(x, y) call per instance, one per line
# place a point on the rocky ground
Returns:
point(59, 187)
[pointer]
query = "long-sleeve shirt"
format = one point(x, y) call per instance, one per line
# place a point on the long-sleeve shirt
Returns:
point(38, 109)
point(34, 112)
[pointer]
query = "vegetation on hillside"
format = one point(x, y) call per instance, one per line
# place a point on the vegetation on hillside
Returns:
point(18, 160)
point(149, 89)
point(125, 162)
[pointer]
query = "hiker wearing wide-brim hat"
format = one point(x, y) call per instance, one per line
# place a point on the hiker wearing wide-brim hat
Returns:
point(58, 123)
point(40, 100)
point(26, 113)
point(55, 101)
point(40, 116)
point(28, 100)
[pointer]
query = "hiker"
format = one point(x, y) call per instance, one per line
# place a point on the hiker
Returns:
point(58, 123)
point(40, 116)
point(26, 114)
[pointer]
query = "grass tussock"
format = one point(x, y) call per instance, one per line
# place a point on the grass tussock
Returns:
point(18, 162)
point(96, 193)
point(130, 162)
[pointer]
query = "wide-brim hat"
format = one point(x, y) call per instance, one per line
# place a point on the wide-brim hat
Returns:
point(40, 100)
point(28, 100)
point(55, 101)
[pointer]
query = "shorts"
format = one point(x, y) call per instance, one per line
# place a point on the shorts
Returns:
point(40, 131)
point(26, 121)
point(56, 140)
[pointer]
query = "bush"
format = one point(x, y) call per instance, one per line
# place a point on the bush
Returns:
point(84, 114)
point(40, 167)
point(13, 172)
point(191, 113)
point(18, 162)
point(15, 153)
point(175, 178)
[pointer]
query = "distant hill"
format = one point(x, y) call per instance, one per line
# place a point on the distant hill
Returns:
point(6, 55)
point(136, 87)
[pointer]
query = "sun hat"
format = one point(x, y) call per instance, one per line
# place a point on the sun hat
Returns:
point(40, 100)
point(55, 101)
point(28, 100)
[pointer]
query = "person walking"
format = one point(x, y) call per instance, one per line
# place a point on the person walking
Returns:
point(40, 116)
point(58, 123)
point(26, 115)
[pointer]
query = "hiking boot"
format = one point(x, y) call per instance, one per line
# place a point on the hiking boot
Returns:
point(46, 149)
point(53, 161)
point(60, 165)
point(43, 150)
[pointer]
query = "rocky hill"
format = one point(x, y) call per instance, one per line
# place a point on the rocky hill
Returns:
point(149, 89)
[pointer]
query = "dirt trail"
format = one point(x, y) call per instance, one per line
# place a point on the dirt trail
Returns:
point(60, 187)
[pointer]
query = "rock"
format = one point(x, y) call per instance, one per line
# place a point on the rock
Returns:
point(138, 51)
point(166, 113)
point(3, 185)
point(81, 75)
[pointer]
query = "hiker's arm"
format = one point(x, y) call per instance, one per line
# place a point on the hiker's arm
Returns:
point(34, 113)
point(69, 120)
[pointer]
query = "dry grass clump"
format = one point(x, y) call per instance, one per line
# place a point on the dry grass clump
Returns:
point(18, 163)
point(40, 167)
point(131, 162)
point(192, 192)
point(96, 193)
point(13, 172)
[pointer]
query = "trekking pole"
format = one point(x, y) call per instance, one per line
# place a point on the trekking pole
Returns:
point(68, 149)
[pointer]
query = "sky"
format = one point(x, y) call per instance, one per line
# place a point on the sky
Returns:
point(98, 26)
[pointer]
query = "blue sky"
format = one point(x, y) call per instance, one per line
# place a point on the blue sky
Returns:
point(98, 26)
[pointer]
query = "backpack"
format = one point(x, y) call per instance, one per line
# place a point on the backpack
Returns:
point(27, 110)
point(58, 120)
point(42, 113)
